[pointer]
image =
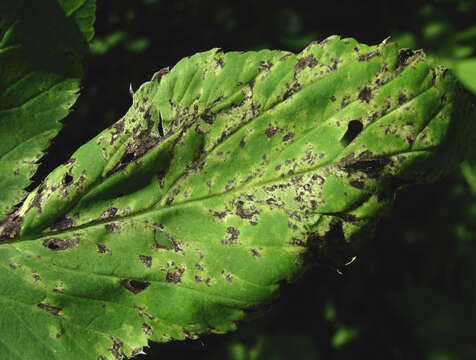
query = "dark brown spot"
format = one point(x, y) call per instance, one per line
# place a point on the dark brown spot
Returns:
point(295, 88)
point(242, 142)
point(36, 276)
point(234, 233)
point(265, 65)
point(365, 94)
point(255, 253)
point(333, 64)
point(288, 136)
point(51, 309)
point(318, 179)
point(308, 61)
point(135, 286)
point(109, 213)
point(58, 335)
point(56, 244)
point(147, 329)
point(174, 277)
point(103, 249)
point(270, 131)
point(220, 215)
point(244, 213)
point(146, 260)
point(227, 276)
point(208, 117)
point(401, 99)
point(112, 228)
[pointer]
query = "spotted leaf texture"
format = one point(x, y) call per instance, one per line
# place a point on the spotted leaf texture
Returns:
point(230, 174)
point(41, 46)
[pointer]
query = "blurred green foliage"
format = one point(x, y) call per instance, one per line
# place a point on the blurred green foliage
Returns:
point(411, 292)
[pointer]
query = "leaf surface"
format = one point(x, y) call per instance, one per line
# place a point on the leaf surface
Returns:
point(230, 174)
point(41, 46)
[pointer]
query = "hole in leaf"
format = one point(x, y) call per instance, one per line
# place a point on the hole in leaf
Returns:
point(160, 127)
point(354, 128)
point(135, 286)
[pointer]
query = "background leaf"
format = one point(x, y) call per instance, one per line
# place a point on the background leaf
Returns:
point(42, 44)
point(230, 174)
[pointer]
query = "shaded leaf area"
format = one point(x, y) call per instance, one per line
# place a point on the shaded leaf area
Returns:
point(41, 46)
point(230, 175)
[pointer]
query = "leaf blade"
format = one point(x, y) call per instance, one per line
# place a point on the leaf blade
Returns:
point(184, 232)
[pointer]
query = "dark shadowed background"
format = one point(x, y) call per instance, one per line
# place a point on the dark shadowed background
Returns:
point(411, 293)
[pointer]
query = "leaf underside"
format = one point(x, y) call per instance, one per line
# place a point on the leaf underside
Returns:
point(230, 173)
point(41, 46)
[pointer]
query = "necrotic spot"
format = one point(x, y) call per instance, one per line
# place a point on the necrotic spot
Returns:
point(56, 244)
point(354, 128)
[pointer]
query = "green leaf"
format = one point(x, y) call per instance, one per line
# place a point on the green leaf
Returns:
point(41, 46)
point(229, 174)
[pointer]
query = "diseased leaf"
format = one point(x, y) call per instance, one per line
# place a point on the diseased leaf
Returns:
point(229, 174)
point(41, 46)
